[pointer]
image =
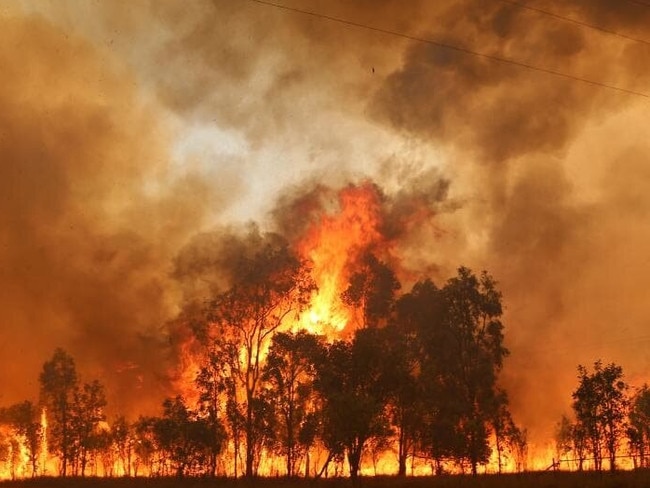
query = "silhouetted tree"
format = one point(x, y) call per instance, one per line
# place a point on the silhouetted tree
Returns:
point(600, 406)
point(638, 431)
point(349, 381)
point(289, 373)
point(146, 445)
point(87, 411)
point(563, 437)
point(472, 311)
point(58, 381)
point(420, 405)
point(403, 388)
point(185, 438)
point(25, 421)
point(503, 427)
point(269, 286)
point(462, 352)
point(518, 442)
point(212, 383)
point(372, 290)
point(123, 439)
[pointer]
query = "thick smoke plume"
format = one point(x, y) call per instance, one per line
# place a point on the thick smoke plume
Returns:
point(89, 216)
point(539, 179)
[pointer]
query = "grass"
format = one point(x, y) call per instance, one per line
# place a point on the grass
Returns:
point(622, 479)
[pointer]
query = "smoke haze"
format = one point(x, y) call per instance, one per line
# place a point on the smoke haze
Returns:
point(136, 136)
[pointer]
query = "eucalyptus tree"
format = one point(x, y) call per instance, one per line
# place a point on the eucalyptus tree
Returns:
point(474, 337)
point(371, 290)
point(270, 284)
point(351, 386)
point(58, 380)
point(25, 420)
point(600, 406)
point(638, 431)
point(87, 412)
point(289, 375)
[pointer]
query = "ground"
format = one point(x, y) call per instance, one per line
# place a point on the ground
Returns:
point(635, 479)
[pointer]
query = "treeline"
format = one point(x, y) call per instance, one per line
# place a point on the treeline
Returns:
point(608, 421)
point(417, 380)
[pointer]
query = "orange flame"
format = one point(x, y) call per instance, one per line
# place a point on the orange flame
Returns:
point(332, 245)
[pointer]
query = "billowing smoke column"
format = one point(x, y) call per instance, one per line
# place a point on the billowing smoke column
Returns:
point(553, 169)
point(539, 179)
point(89, 217)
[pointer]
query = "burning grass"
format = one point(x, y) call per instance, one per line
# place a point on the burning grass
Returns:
point(621, 479)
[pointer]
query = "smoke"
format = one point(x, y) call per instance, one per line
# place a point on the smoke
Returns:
point(90, 213)
point(129, 129)
point(551, 171)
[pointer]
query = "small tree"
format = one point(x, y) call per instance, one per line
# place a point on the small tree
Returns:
point(600, 406)
point(58, 381)
point(146, 445)
point(186, 438)
point(372, 290)
point(270, 284)
point(87, 412)
point(212, 383)
point(289, 373)
point(122, 434)
point(349, 382)
point(24, 418)
point(638, 431)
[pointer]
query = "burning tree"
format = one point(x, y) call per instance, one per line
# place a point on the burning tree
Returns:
point(87, 412)
point(58, 384)
point(25, 421)
point(74, 413)
point(289, 373)
point(270, 284)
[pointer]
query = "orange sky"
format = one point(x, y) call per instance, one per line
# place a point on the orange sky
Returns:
point(127, 128)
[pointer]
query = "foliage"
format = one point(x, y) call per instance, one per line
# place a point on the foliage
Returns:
point(289, 373)
point(24, 418)
point(186, 438)
point(87, 412)
point(58, 381)
point(638, 431)
point(349, 382)
point(600, 407)
point(372, 290)
point(270, 284)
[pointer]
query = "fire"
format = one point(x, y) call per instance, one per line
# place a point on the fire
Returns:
point(43, 455)
point(332, 244)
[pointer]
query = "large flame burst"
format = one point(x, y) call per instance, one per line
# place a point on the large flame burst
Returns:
point(333, 243)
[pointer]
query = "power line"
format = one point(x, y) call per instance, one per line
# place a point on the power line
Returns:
point(453, 47)
point(574, 21)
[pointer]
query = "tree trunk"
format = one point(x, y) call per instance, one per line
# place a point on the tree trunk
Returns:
point(354, 460)
point(402, 452)
point(250, 450)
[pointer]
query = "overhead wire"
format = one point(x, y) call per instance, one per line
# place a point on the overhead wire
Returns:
point(453, 47)
point(573, 21)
